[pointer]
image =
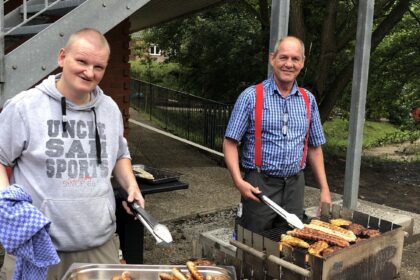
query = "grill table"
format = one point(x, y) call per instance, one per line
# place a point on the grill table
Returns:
point(130, 231)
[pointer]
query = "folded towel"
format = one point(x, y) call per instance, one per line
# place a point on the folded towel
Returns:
point(24, 234)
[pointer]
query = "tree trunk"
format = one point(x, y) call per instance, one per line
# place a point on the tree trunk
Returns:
point(333, 93)
point(265, 27)
point(296, 21)
point(328, 50)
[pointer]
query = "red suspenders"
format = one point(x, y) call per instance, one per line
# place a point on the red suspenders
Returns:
point(258, 124)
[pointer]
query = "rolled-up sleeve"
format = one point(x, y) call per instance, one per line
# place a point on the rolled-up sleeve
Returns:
point(240, 116)
point(316, 132)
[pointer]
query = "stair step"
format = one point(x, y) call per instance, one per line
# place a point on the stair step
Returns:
point(27, 29)
point(58, 9)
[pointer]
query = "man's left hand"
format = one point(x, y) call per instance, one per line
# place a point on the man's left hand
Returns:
point(135, 195)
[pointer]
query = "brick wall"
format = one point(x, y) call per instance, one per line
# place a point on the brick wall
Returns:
point(116, 82)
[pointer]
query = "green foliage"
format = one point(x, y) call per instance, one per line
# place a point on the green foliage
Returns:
point(164, 74)
point(219, 50)
point(394, 80)
point(374, 134)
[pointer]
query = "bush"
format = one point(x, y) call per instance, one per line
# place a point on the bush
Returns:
point(163, 74)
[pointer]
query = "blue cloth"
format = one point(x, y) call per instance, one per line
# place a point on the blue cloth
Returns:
point(24, 234)
point(281, 154)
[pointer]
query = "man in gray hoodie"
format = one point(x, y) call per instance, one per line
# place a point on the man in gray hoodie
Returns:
point(64, 139)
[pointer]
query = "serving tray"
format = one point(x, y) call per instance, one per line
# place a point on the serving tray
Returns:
point(79, 271)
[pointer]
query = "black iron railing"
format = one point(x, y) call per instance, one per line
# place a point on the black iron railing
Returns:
point(197, 119)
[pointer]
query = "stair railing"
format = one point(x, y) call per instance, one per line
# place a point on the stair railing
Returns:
point(25, 20)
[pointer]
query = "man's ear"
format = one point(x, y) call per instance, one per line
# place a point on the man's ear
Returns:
point(61, 56)
point(271, 57)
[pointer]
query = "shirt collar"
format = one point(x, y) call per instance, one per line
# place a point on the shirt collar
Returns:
point(273, 89)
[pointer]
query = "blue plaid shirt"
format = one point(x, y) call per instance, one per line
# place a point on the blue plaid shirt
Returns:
point(281, 154)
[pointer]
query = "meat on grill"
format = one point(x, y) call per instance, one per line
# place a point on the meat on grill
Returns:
point(340, 222)
point(356, 228)
point(294, 241)
point(317, 247)
point(332, 229)
point(371, 232)
point(313, 234)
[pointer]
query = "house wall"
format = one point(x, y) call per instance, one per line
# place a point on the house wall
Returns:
point(116, 81)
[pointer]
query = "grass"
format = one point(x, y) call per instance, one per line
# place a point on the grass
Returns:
point(374, 134)
point(336, 131)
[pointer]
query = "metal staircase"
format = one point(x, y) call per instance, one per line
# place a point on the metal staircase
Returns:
point(32, 33)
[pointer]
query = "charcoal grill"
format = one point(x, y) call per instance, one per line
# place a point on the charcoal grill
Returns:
point(258, 256)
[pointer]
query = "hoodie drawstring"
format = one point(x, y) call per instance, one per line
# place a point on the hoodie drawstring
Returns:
point(63, 113)
point(64, 121)
point(97, 140)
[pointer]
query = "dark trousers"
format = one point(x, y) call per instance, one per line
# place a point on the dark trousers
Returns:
point(287, 192)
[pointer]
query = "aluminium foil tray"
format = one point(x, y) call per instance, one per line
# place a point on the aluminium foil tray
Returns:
point(79, 271)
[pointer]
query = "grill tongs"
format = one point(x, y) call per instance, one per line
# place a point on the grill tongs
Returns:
point(291, 219)
point(159, 231)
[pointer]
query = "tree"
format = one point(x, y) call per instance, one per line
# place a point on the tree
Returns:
point(330, 65)
point(226, 49)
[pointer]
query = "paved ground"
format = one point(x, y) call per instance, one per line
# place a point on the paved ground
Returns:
point(211, 191)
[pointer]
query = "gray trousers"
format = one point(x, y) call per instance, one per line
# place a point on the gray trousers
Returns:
point(287, 192)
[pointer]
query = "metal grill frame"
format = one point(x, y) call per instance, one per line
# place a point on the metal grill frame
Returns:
point(375, 258)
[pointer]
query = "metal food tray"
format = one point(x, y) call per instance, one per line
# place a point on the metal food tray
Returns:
point(79, 271)
point(160, 175)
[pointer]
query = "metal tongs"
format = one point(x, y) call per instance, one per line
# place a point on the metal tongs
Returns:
point(159, 231)
point(291, 219)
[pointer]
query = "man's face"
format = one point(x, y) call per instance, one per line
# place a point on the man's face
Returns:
point(287, 62)
point(84, 65)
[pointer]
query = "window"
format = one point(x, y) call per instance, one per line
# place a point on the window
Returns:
point(154, 50)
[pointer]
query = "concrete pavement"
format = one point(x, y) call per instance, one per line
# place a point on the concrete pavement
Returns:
point(211, 190)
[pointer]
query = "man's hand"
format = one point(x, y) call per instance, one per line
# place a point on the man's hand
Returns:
point(248, 191)
point(134, 194)
point(325, 195)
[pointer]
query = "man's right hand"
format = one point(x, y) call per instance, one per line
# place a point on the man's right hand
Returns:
point(248, 191)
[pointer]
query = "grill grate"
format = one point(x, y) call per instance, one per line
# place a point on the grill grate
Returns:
point(275, 233)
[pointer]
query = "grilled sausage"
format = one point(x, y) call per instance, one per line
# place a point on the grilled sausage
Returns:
point(194, 272)
point(312, 234)
point(332, 229)
point(165, 276)
point(176, 272)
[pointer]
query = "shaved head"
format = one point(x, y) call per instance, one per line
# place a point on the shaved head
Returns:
point(91, 35)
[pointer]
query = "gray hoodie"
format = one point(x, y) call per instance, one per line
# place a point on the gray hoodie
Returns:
point(54, 153)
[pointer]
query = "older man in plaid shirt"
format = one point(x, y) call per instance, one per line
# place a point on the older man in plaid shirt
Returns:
point(290, 129)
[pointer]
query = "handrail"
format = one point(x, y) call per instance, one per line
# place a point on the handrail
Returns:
point(25, 14)
point(197, 119)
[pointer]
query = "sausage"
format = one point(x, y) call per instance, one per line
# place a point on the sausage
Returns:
point(194, 272)
point(178, 274)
